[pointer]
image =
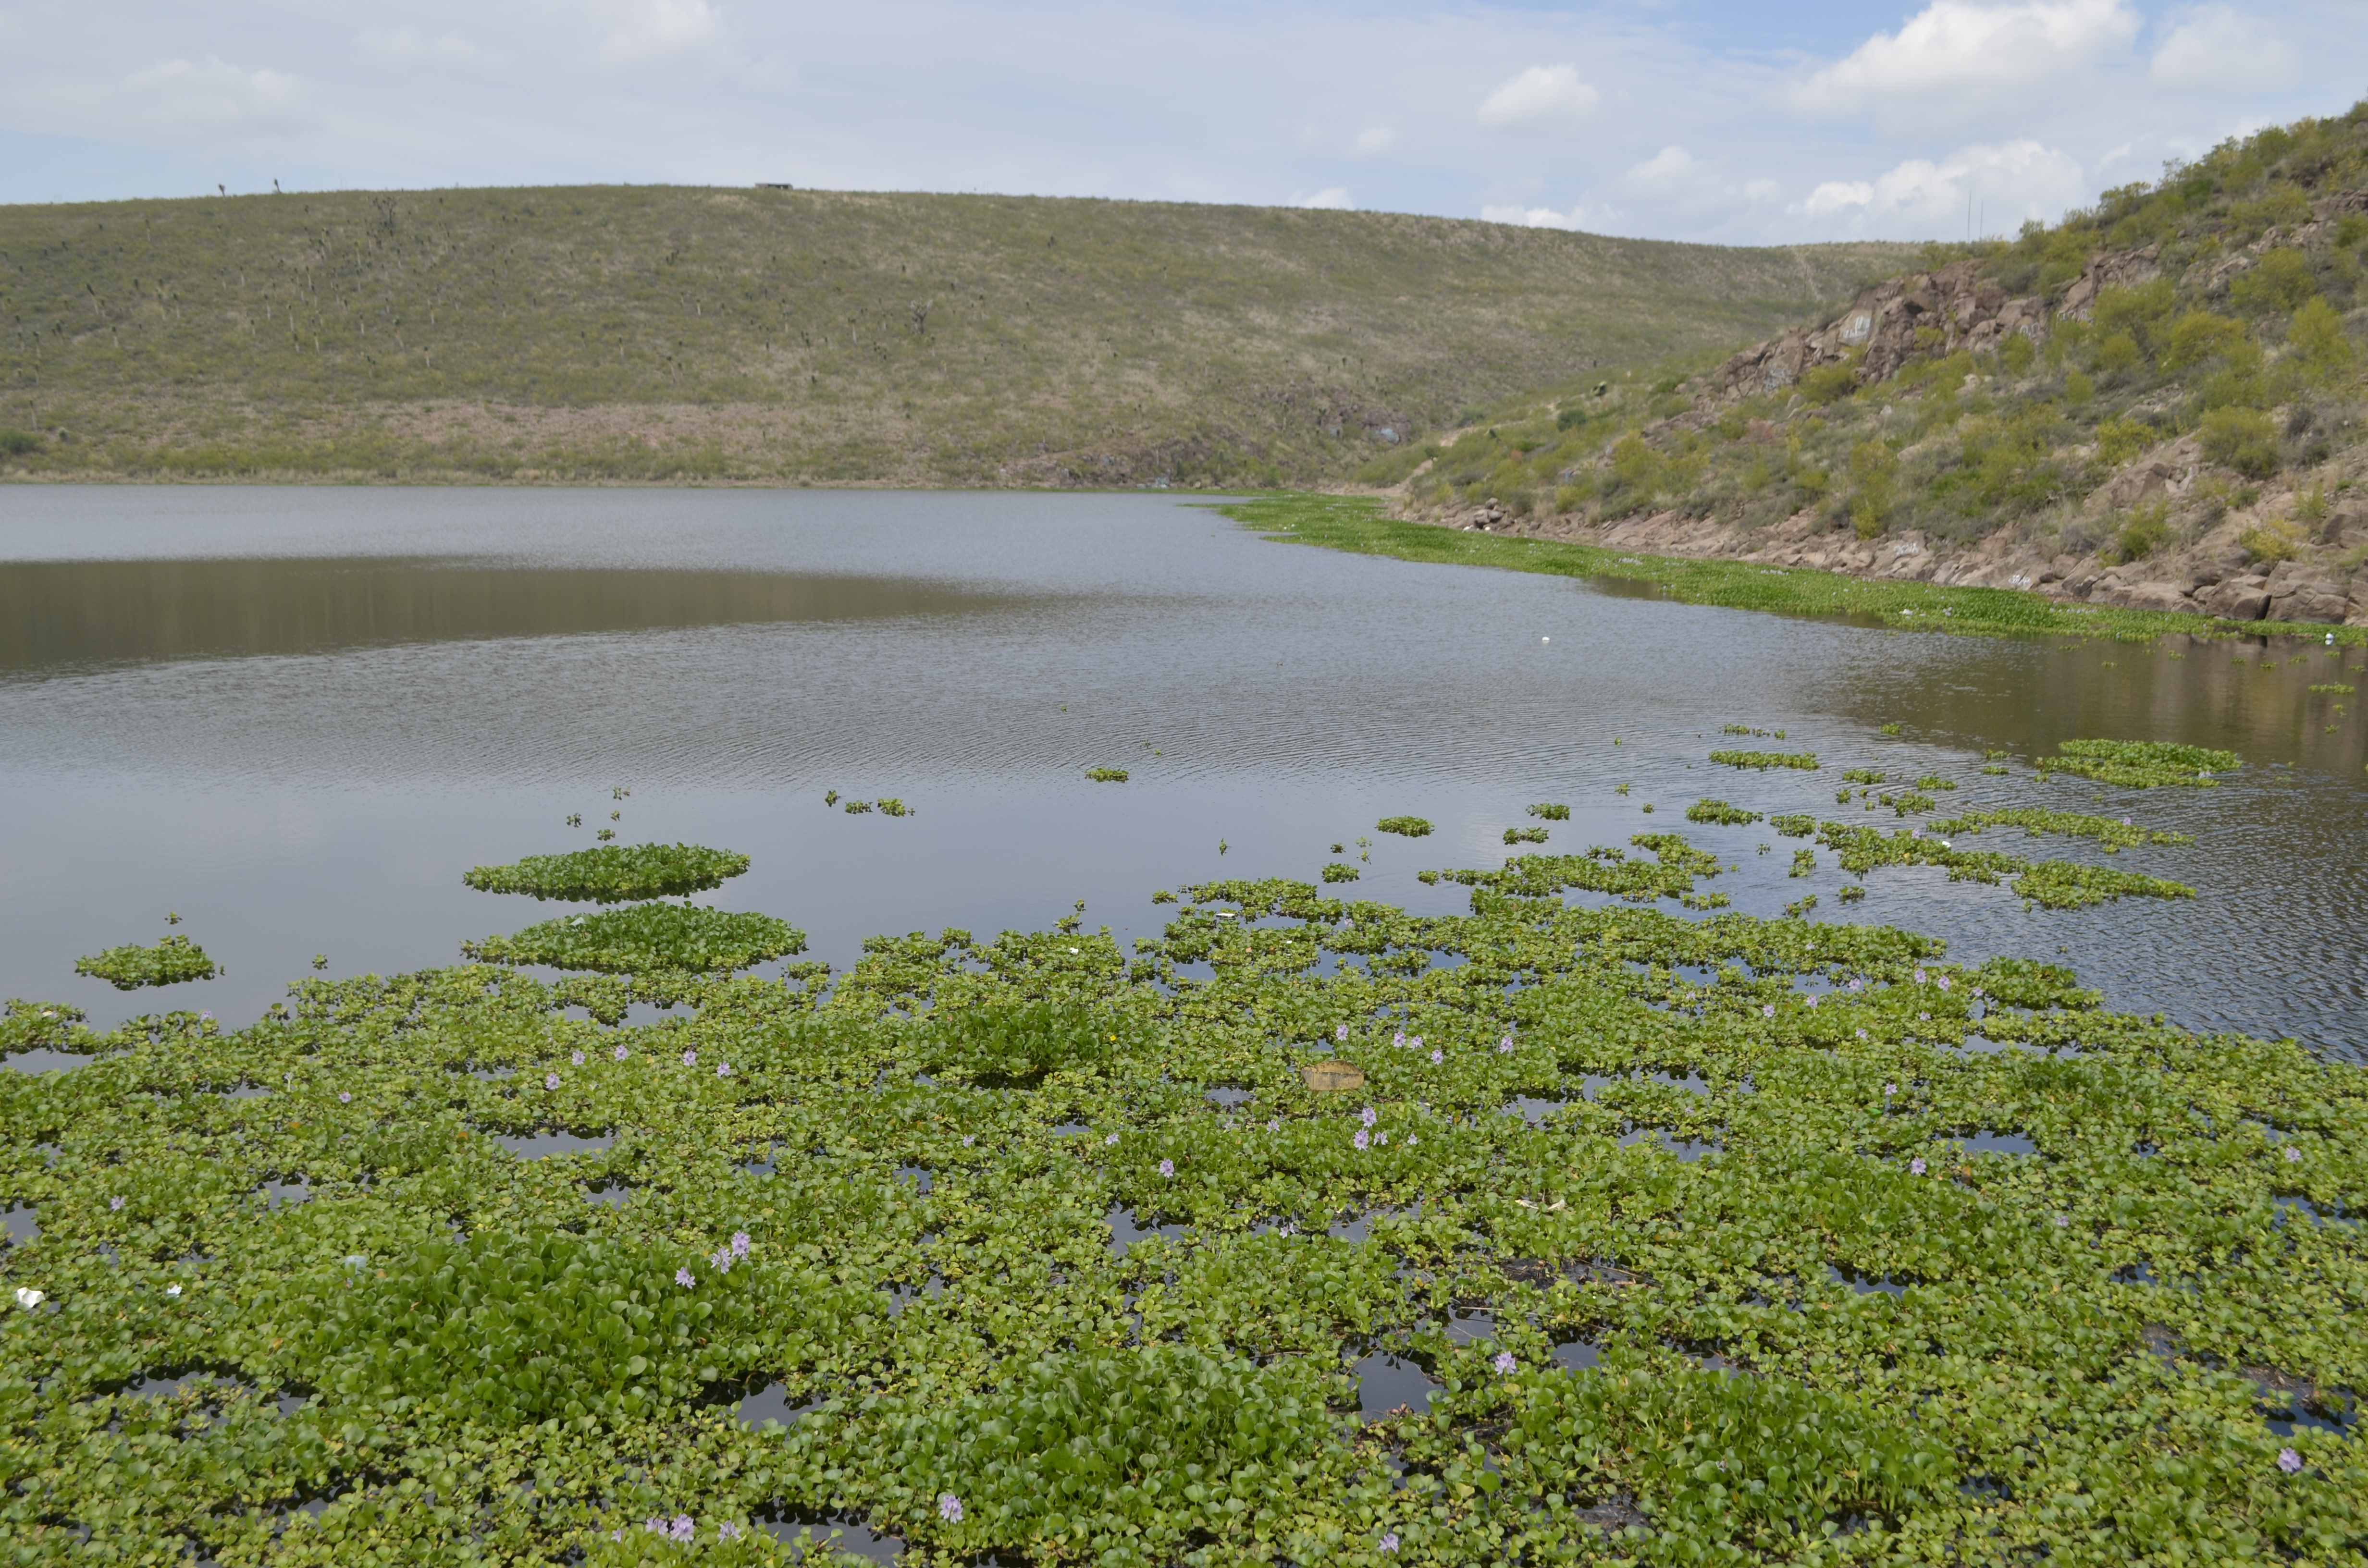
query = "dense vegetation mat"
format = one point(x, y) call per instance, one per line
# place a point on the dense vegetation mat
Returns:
point(645, 938)
point(613, 873)
point(1726, 1240)
point(1361, 525)
point(128, 968)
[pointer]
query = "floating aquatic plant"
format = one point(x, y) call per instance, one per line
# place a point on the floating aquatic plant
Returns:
point(1525, 835)
point(1551, 812)
point(613, 873)
point(173, 959)
point(644, 937)
point(1719, 811)
point(1807, 761)
point(1408, 827)
point(1106, 775)
point(2142, 764)
point(1341, 871)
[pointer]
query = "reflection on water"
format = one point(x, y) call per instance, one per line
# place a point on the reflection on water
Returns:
point(461, 678)
point(76, 614)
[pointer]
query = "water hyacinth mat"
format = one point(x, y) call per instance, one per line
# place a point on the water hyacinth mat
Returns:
point(1642, 1239)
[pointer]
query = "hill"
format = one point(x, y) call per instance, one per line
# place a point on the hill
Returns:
point(2156, 404)
point(804, 336)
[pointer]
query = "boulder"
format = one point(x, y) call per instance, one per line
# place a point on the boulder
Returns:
point(2155, 596)
point(2313, 600)
point(2237, 598)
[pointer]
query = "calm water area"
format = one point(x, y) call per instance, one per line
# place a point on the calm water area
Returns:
point(296, 716)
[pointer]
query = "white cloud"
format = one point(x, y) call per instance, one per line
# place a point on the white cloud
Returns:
point(2216, 46)
point(1955, 45)
point(211, 97)
point(1335, 197)
point(1670, 169)
point(1919, 199)
point(661, 26)
point(1595, 220)
point(1372, 141)
point(408, 46)
point(1543, 95)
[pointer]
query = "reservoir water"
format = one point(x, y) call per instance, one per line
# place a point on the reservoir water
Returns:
point(294, 717)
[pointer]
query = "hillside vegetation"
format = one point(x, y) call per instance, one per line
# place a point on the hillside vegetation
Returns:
point(669, 334)
point(2155, 404)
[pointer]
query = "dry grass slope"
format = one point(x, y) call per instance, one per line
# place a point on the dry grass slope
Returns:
point(804, 336)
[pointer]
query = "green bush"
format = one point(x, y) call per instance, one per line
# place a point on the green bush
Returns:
point(2280, 280)
point(2243, 438)
point(19, 443)
point(1829, 383)
point(2144, 531)
point(614, 873)
point(128, 968)
point(2319, 344)
point(646, 937)
point(2198, 336)
point(2119, 440)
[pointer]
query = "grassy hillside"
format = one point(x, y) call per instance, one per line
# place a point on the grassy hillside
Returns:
point(2156, 404)
point(802, 336)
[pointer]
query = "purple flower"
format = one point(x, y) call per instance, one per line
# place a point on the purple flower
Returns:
point(1275, 1125)
point(682, 1277)
point(723, 1069)
point(1436, 1058)
point(1167, 1168)
point(207, 1017)
point(685, 1528)
point(1919, 977)
point(1416, 1041)
point(739, 1244)
point(345, 1096)
point(1915, 1167)
point(1369, 1116)
point(1768, 1009)
point(968, 1138)
point(1505, 1045)
point(621, 1053)
point(690, 1058)
point(1810, 1000)
point(1389, 1541)
point(1340, 1033)
point(2294, 1156)
point(654, 1525)
point(949, 1507)
point(2289, 1461)
point(1888, 1090)
point(1858, 985)
point(727, 1531)
point(1943, 983)
point(1364, 1139)
point(722, 1260)
point(114, 1203)
point(1862, 1034)
point(551, 1080)
point(1398, 1039)
point(2062, 1221)
point(1111, 1139)
point(1412, 1140)
point(2126, 821)
point(577, 1059)
point(1506, 1364)
point(1923, 1017)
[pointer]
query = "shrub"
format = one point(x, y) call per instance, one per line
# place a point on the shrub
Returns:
point(2243, 438)
point(2281, 280)
point(2144, 531)
point(19, 443)
point(613, 873)
point(2079, 387)
point(2118, 354)
point(2197, 336)
point(2119, 440)
point(130, 966)
point(2271, 541)
point(1829, 383)
point(2132, 310)
point(1874, 470)
point(644, 937)
point(2319, 344)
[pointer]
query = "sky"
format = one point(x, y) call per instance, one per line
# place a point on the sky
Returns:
point(1719, 120)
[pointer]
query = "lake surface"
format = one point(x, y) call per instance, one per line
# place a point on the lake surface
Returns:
point(295, 716)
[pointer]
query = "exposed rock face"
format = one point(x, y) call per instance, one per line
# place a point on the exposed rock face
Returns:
point(2108, 269)
point(2297, 594)
point(1963, 309)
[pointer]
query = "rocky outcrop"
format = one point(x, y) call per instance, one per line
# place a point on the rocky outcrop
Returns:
point(1887, 325)
point(2108, 269)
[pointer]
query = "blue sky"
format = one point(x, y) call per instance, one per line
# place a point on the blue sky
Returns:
point(1679, 119)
